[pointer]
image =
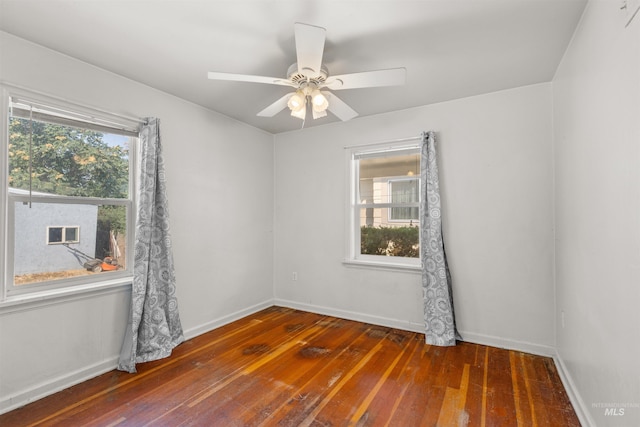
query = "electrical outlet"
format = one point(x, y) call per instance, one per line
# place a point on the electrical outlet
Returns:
point(562, 319)
point(294, 276)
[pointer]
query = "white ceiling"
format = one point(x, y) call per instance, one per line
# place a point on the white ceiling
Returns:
point(450, 48)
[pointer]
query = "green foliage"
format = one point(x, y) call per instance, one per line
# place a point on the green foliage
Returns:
point(390, 241)
point(70, 161)
point(66, 161)
point(112, 218)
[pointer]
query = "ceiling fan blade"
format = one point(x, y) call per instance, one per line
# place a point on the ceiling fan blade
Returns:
point(309, 48)
point(276, 107)
point(390, 77)
point(338, 107)
point(213, 75)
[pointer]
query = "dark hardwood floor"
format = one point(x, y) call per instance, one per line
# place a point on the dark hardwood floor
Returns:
point(283, 367)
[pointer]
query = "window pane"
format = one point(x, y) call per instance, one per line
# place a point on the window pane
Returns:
point(404, 214)
point(55, 235)
point(375, 174)
point(103, 237)
point(71, 234)
point(388, 240)
point(388, 200)
point(404, 191)
point(67, 160)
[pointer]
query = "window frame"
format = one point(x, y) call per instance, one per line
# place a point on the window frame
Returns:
point(390, 183)
point(63, 234)
point(76, 230)
point(10, 294)
point(352, 247)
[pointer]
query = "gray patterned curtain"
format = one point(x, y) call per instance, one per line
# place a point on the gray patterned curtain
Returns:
point(436, 280)
point(154, 327)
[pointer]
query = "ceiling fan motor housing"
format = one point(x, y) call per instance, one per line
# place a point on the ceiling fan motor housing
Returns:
point(309, 76)
point(301, 80)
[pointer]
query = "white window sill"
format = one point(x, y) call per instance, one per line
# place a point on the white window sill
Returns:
point(407, 268)
point(57, 296)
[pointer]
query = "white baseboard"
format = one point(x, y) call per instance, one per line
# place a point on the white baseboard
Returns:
point(55, 385)
point(224, 320)
point(475, 338)
point(509, 344)
point(62, 382)
point(65, 381)
point(352, 315)
point(578, 404)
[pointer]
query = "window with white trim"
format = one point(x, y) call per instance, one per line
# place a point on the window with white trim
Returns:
point(68, 169)
point(404, 190)
point(384, 204)
point(60, 235)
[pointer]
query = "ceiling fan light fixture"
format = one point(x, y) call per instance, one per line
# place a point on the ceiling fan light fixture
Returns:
point(319, 101)
point(301, 113)
point(297, 102)
point(307, 76)
point(318, 113)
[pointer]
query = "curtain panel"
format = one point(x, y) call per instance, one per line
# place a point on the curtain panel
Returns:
point(154, 327)
point(440, 326)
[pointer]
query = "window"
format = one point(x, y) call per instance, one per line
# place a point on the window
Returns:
point(58, 235)
point(68, 170)
point(384, 205)
point(404, 191)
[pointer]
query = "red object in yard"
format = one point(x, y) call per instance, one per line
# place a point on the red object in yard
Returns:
point(109, 264)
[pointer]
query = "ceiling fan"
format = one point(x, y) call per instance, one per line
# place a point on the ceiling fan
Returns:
point(308, 76)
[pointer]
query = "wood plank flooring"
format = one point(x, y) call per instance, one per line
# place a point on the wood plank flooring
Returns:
point(283, 367)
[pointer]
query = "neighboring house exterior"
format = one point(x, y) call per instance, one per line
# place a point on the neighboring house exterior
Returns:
point(53, 237)
point(390, 189)
point(387, 180)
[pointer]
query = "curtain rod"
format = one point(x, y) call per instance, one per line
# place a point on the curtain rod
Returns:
point(390, 141)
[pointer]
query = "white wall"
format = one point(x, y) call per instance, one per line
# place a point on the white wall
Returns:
point(497, 165)
point(221, 198)
point(597, 169)
point(496, 177)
